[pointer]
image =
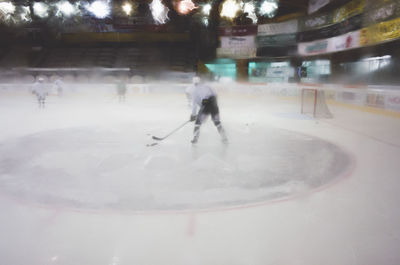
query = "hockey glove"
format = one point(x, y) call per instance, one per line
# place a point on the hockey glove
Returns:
point(193, 117)
point(205, 101)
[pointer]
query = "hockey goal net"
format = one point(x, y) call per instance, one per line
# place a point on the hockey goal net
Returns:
point(313, 102)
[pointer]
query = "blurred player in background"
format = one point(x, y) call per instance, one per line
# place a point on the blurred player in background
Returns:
point(205, 98)
point(59, 86)
point(40, 90)
point(121, 89)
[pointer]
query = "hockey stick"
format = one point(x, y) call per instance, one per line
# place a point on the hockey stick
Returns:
point(162, 138)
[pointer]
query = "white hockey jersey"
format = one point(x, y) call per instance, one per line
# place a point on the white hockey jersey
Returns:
point(40, 89)
point(198, 92)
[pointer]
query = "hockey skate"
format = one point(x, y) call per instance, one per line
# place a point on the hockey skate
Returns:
point(222, 133)
point(196, 133)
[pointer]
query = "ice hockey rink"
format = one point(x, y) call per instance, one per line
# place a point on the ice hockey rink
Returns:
point(81, 182)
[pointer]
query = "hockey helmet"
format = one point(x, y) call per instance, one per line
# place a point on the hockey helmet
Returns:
point(196, 80)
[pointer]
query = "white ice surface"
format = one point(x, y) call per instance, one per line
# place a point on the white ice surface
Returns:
point(354, 221)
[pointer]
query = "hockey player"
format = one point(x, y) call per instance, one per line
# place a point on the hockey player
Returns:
point(59, 85)
point(121, 90)
point(204, 97)
point(39, 89)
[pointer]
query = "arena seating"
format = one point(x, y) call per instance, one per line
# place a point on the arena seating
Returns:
point(137, 58)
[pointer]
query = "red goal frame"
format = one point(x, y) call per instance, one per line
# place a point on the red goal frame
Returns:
point(315, 99)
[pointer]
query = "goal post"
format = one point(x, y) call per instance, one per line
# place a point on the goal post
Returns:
point(313, 102)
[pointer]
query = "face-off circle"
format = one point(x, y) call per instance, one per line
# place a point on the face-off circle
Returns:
point(108, 169)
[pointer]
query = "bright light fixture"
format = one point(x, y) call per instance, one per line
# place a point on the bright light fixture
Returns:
point(99, 8)
point(250, 9)
point(185, 6)
point(7, 8)
point(25, 14)
point(206, 9)
point(269, 8)
point(40, 9)
point(65, 8)
point(230, 8)
point(127, 8)
point(385, 57)
point(159, 11)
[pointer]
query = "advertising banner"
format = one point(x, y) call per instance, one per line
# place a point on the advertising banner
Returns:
point(350, 97)
point(237, 42)
point(392, 102)
point(366, 37)
point(350, 9)
point(315, 5)
point(314, 22)
point(375, 100)
point(343, 42)
point(384, 31)
point(319, 34)
point(276, 40)
point(284, 72)
point(351, 24)
point(387, 30)
point(346, 41)
point(237, 53)
point(237, 30)
point(377, 13)
point(311, 48)
point(287, 27)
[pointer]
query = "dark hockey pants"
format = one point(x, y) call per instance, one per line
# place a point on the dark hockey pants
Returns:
point(209, 107)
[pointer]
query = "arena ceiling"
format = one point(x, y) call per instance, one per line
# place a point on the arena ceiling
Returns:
point(144, 12)
point(285, 6)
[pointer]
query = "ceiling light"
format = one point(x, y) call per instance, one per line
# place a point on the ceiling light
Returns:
point(159, 11)
point(99, 9)
point(65, 8)
point(185, 6)
point(230, 8)
point(206, 9)
point(7, 8)
point(127, 8)
point(250, 9)
point(269, 8)
point(40, 9)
